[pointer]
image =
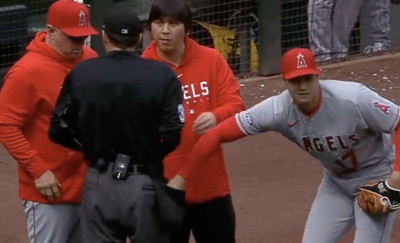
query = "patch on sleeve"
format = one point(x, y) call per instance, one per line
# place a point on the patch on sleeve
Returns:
point(248, 118)
point(181, 113)
point(384, 108)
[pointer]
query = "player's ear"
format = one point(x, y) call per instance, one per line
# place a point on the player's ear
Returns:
point(51, 30)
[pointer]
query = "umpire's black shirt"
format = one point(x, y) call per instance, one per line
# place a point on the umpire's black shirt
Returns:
point(119, 102)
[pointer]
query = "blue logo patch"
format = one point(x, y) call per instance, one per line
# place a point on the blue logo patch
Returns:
point(181, 113)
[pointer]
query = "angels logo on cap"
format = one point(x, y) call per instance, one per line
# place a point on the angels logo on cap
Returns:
point(82, 18)
point(71, 17)
point(298, 62)
point(301, 62)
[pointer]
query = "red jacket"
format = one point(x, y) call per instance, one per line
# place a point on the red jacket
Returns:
point(208, 84)
point(27, 101)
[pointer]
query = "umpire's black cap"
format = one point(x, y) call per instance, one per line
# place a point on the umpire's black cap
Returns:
point(122, 21)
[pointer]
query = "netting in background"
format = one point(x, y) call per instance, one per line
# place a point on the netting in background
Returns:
point(20, 20)
point(294, 24)
point(332, 29)
point(231, 27)
point(14, 33)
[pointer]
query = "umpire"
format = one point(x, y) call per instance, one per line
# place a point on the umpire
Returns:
point(125, 114)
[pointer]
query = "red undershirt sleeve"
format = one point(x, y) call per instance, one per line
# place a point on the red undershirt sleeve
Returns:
point(225, 132)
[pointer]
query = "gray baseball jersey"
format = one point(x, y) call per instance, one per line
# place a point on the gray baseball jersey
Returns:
point(351, 130)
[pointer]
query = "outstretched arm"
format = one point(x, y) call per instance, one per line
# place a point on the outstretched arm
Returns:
point(258, 119)
point(225, 132)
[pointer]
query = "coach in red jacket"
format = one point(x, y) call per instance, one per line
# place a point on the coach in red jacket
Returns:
point(211, 95)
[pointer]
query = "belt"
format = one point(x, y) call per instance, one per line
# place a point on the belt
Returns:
point(109, 158)
point(137, 169)
point(133, 169)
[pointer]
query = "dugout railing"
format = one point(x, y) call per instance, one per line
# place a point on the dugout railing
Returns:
point(250, 34)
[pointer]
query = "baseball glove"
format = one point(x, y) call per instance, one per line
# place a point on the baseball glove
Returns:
point(378, 198)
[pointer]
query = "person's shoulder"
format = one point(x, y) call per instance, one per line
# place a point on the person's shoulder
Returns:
point(282, 101)
point(27, 65)
point(30, 61)
point(27, 72)
point(209, 52)
point(343, 90)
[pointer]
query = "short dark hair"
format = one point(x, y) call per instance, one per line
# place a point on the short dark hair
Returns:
point(123, 42)
point(178, 10)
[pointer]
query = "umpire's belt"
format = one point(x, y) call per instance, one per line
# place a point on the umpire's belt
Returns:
point(137, 169)
point(108, 160)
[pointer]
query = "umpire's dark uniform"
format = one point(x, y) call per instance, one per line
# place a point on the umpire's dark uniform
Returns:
point(125, 114)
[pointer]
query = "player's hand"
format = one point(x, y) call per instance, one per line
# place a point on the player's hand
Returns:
point(177, 183)
point(394, 180)
point(204, 122)
point(48, 185)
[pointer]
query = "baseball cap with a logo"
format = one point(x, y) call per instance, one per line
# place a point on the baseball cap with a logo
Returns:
point(71, 17)
point(298, 62)
point(122, 21)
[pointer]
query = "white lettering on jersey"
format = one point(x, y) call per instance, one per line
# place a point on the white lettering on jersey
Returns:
point(384, 108)
point(195, 93)
point(329, 143)
point(301, 62)
point(191, 91)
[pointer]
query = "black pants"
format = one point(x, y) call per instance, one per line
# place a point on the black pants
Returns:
point(113, 210)
point(210, 222)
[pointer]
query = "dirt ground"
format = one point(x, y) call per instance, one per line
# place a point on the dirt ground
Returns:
point(266, 171)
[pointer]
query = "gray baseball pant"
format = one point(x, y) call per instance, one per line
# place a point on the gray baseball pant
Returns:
point(49, 223)
point(335, 210)
point(331, 22)
point(380, 21)
point(113, 210)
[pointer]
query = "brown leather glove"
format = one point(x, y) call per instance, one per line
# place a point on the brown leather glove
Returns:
point(378, 198)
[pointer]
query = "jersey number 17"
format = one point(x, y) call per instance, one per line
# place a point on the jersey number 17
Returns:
point(352, 158)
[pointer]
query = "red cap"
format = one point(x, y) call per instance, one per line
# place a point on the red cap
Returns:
point(298, 62)
point(71, 17)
